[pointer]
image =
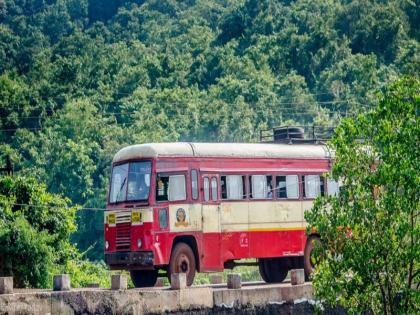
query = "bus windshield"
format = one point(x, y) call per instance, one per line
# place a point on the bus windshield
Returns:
point(130, 182)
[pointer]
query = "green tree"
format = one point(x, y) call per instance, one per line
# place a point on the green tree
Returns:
point(35, 230)
point(370, 232)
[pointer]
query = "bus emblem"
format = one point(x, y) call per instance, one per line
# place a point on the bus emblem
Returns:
point(181, 218)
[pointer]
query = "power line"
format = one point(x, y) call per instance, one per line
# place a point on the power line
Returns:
point(292, 113)
point(348, 101)
point(59, 207)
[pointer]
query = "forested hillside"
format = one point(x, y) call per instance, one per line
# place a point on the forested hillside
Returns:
point(79, 79)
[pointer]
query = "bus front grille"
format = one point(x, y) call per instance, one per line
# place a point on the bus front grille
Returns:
point(123, 235)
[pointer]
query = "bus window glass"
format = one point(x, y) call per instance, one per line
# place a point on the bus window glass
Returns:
point(269, 194)
point(332, 187)
point(223, 187)
point(258, 186)
point(261, 187)
point(287, 186)
point(119, 183)
point(163, 218)
point(234, 187)
point(292, 186)
point(312, 186)
point(206, 187)
point(139, 180)
point(176, 188)
point(214, 188)
point(281, 187)
point(194, 184)
point(322, 185)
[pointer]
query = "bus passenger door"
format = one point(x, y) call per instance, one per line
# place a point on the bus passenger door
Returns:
point(210, 209)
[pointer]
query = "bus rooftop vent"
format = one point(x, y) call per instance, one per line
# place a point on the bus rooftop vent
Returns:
point(297, 134)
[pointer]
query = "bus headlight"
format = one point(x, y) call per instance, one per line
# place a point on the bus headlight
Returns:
point(106, 245)
point(139, 243)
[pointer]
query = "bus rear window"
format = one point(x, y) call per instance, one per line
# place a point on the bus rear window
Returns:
point(130, 182)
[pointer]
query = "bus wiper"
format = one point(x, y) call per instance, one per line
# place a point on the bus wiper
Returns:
point(122, 186)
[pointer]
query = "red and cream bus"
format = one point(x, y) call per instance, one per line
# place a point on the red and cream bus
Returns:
point(201, 207)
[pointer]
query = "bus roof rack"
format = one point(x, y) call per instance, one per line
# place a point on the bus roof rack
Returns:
point(297, 134)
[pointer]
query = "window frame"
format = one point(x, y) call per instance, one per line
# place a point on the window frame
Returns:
point(298, 176)
point(249, 183)
point(302, 184)
point(197, 197)
point(244, 186)
point(204, 189)
point(213, 199)
point(150, 194)
point(327, 190)
point(168, 174)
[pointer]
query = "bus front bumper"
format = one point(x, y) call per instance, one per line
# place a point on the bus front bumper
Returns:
point(129, 260)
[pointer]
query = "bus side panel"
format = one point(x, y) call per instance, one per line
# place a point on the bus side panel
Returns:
point(277, 243)
point(211, 260)
point(235, 230)
point(277, 224)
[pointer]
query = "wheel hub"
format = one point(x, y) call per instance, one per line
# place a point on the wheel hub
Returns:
point(183, 264)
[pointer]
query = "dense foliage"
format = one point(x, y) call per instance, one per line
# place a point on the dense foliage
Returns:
point(35, 228)
point(79, 79)
point(371, 230)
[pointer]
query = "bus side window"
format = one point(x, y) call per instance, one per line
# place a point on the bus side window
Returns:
point(206, 186)
point(233, 187)
point(214, 189)
point(332, 187)
point(194, 184)
point(287, 187)
point(311, 186)
point(170, 188)
point(260, 186)
point(177, 190)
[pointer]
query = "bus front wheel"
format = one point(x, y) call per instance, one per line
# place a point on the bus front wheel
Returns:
point(182, 261)
point(144, 278)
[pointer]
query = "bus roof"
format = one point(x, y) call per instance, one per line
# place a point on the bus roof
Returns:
point(226, 150)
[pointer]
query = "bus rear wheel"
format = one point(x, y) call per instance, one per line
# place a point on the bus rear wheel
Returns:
point(262, 269)
point(144, 278)
point(311, 259)
point(273, 270)
point(182, 261)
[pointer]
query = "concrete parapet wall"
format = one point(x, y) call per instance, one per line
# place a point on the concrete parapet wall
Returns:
point(195, 300)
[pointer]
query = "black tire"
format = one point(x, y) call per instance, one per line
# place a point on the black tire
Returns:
point(182, 260)
point(309, 261)
point(144, 278)
point(263, 272)
point(274, 269)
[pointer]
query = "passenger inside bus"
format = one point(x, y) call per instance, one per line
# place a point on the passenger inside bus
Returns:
point(269, 192)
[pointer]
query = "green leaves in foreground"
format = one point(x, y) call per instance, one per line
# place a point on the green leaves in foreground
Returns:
point(35, 229)
point(370, 231)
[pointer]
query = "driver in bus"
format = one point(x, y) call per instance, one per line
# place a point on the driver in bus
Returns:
point(142, 188)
